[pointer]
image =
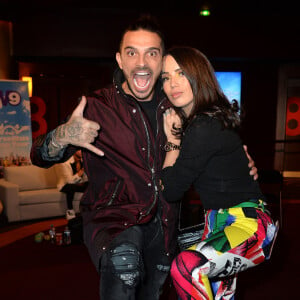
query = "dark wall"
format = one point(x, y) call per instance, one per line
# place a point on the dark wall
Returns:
point(69, 55)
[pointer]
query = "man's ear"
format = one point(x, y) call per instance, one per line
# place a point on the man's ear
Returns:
point(119, 60)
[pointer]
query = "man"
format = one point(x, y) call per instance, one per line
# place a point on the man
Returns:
point(72, 179)
point(129, 229)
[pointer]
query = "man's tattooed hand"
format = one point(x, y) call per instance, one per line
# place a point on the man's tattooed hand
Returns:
point(78, 131)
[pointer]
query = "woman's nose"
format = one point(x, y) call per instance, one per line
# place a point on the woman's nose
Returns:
point(173, 81)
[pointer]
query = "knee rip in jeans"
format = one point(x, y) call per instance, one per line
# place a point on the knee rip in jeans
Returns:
point(127, 263)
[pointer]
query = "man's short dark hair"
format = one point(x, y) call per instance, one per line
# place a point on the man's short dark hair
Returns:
point(147, 23)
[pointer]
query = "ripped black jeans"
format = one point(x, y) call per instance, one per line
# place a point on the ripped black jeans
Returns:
point(135, 266)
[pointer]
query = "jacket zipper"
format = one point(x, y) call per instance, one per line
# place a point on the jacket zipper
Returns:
point(152, 169)
point(113, 196)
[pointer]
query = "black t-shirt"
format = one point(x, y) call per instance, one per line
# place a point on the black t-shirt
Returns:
point(149, 108)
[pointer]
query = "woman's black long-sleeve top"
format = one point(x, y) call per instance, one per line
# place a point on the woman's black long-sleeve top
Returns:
point(214, 161)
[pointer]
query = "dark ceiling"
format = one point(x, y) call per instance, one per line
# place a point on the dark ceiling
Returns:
point(16, 9)
point(236, 28)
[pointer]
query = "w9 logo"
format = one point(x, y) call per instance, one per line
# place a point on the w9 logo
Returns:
point(11, 97)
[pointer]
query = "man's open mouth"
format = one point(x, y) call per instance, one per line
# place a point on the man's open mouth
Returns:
point(142, 80)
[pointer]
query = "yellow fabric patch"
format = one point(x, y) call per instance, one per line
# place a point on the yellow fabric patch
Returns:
point(206, 283)
point(193, 247)
point(242, 228)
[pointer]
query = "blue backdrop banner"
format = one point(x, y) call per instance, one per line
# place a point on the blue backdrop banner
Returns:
point(15, 123)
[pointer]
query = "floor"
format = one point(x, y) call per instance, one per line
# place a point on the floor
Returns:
point(12, 232)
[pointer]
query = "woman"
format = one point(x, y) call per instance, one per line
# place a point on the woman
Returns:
point(72, 179)
point(204, 149)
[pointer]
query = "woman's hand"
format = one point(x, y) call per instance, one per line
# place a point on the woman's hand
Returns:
point(253, 170)
point(171, 121)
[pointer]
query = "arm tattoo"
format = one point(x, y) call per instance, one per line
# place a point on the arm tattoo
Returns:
point(60, 132)
point(54, 147)
point(74, 131)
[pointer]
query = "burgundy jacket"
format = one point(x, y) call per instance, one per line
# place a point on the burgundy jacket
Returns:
point(123, 184)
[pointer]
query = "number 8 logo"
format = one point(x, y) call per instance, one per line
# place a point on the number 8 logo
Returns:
point(39, 124)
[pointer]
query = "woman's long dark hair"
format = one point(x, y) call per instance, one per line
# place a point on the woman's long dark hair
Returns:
point(209, 98)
